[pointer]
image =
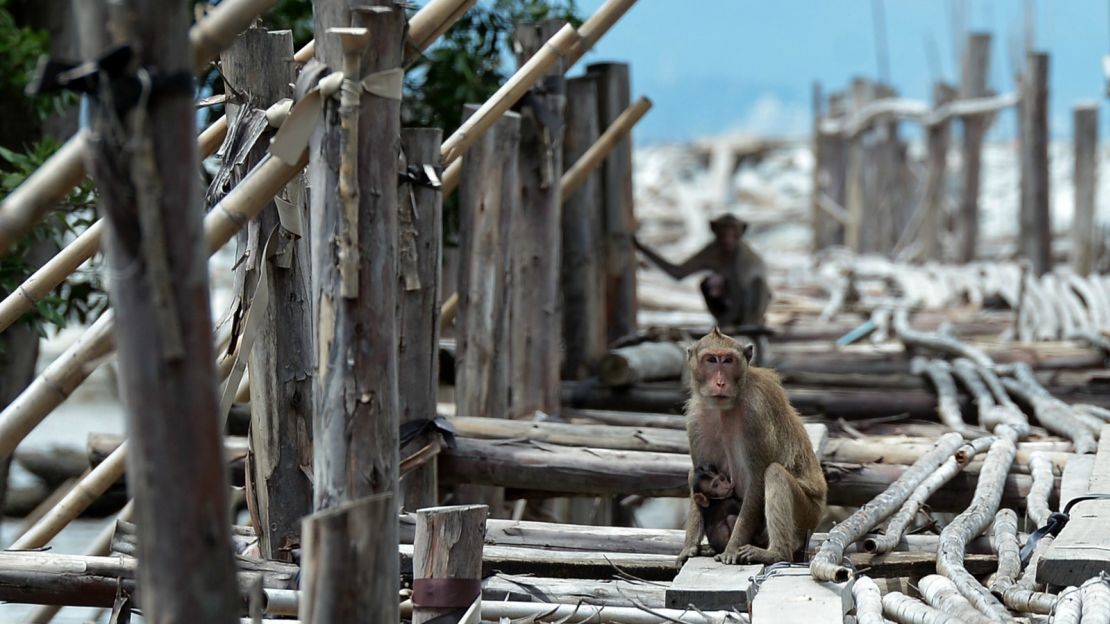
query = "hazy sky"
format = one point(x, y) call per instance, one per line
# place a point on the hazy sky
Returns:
point(718, 65)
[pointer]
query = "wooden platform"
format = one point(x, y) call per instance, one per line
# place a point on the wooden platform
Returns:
point(1082, 549)
point(708, 584)
point(791, 596)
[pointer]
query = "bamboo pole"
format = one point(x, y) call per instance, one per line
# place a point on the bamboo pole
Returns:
point(574, 177)
point(476, 125)
point(87, 490)
point(101, 546)
point(52, 182)
point(69, 169)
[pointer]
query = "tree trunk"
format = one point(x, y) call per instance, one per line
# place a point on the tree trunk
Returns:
point(614, 96)
point(353, 178)
point(156, 251)
point(421, 222)
point(281, 359)
point(534, 336)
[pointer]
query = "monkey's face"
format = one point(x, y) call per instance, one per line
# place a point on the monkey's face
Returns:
point(719, 375)
point(718, 366)
point(716, 486)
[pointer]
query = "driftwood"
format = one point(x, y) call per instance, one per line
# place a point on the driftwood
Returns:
point(939, 374)
point(935, 341)
point(900, 608)
point(869, 601)
point(1053, 414)
point(826, 564)
point(1096, 601)
point(902, 518)
point(1069, 606)
point(940, 593)
point(647, 361)
point(972, 522)
point(1037, 502)
point(1003, 583)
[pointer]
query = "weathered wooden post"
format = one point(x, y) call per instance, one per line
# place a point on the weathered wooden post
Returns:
point(353, 179)
point(937, 134)
point(489, 197)
point(973, 83)
point(860, 171)
point(420, 216)
point(536, 241)
point(819, 220)
point(142, 154)
point(613, 96)
point(583, 277)
point(281, 360)
point(1084, 228)
point(447, 561)
point(1035, 236)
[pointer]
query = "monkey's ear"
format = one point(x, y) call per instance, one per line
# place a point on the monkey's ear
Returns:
point(749, 351)
point(701, 500)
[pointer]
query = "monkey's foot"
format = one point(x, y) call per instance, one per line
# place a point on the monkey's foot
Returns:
point(705, 550)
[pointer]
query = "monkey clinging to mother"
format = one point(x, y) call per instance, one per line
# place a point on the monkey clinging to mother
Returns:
point(740, 421)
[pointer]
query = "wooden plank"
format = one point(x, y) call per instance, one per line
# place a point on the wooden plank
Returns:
point(1077, 475)
point(791, 596)
point(1082, 549)
point(616, 592)
point(709, 584)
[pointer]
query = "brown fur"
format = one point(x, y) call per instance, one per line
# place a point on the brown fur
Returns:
point(736, 291)
point(740, 419)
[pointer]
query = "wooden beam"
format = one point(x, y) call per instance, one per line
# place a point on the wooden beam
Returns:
point(1079, 551)
point(421, 248)
point(973, 83)
point(1035, 242)
point(1085, 231)
point(583, 289)
point(707, 584)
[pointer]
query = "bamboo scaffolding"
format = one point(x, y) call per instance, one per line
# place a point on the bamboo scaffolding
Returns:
point(52, 182)
point(826, 564)
point(423, 27)
point(576, 175)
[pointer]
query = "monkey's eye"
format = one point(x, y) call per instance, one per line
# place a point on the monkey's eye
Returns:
point(712, 359)
point(727, 360)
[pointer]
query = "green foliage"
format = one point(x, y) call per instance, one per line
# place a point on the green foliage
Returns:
point(472, 60)
point(82, 296)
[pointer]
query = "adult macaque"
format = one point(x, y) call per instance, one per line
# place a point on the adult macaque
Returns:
point(739, 419)
point(713, 493)
point(735, 290)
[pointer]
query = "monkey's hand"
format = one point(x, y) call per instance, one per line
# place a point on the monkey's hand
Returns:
point(686, 553)
point(731, 556)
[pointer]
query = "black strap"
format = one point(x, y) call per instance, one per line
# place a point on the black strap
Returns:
point(1055, 524)
point(414, 429)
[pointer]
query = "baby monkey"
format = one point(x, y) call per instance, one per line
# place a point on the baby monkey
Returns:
point(713, 493)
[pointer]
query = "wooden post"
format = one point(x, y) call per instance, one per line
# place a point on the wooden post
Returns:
point(818, 217)
point(613, 96)
point(1084, 228)
point(1035, 233)
point(973, 83)
point(489, 196)
point(583, 272)
point(258, 72)
point(938, 134)
point(353, 179)
point(144, 165)
point(860, 170)
point(447, 561)
point(344, 550)
point(421, 222)
point(536, 239)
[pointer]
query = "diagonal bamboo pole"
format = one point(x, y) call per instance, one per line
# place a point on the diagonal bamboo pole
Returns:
point(424, 28)
point(50, 183)
point(571, 181)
